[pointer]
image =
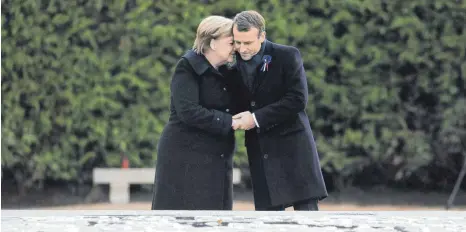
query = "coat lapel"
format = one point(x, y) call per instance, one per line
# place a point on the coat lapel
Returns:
point(261, 75)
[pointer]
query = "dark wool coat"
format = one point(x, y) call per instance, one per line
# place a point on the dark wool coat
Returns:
point(195, 150)
point(282, 153)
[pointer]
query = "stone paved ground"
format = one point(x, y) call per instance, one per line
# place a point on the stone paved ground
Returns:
point(238, 221)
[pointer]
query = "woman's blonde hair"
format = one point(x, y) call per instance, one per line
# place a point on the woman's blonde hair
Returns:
point(212, 27)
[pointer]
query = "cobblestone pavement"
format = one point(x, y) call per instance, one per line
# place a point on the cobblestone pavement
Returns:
point(238, 221)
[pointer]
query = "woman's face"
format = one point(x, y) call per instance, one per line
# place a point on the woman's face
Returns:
point(224, 48)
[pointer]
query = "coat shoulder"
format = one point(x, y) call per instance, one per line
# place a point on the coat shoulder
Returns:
point(286, 54)
point(184, 67)
point(183, 63)
point(285, 49)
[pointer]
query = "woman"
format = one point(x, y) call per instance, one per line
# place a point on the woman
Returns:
point(195, 151)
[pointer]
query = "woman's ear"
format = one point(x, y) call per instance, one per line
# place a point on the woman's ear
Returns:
point(212, 44)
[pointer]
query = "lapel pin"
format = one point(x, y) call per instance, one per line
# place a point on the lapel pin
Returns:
point(266, 59)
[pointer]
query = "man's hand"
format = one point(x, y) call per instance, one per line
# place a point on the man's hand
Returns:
point(245, 119)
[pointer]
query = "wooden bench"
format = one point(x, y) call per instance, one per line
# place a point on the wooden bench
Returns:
point(119, 180)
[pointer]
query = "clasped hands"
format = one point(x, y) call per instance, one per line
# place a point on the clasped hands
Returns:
point(243, 121)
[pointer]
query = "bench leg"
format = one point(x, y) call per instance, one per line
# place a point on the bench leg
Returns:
point(119, 193)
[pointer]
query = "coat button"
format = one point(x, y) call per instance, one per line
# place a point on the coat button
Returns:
point(218, 119)
point(222, 155)
point(224, 89)
point(253, 103)
point(227, 110)
point(258, 130)
point(266, 156)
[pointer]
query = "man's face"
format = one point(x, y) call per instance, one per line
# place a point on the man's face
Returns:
point(247, 43)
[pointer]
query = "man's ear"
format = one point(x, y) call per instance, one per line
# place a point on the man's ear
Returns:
point(262, 37)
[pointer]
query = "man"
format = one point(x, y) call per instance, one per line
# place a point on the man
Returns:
point(282, 154)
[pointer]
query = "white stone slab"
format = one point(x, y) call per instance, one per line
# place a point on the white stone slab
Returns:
point(129, 175)
point(136, 175)
point(396, 221)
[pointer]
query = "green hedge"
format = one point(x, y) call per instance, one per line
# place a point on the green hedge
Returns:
point(84, 82)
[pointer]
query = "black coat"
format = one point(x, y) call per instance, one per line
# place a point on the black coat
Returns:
point(195, 150)
point(282, 153)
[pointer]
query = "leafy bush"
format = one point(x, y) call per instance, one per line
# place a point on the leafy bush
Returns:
point(84, 82)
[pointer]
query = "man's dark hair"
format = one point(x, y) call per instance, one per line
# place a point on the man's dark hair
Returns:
point(246, 20)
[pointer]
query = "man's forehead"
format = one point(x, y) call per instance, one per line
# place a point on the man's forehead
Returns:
point(245, 36)
point(244, 40)
point(250, 31)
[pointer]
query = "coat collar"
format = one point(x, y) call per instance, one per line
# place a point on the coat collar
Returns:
point(260, 76)
point(197, 61)
point(268, 48)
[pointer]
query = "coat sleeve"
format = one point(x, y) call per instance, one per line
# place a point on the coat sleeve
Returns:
point(185, 97)
point(295, 98)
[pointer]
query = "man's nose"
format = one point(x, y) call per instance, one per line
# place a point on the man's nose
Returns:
point(242, 49)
